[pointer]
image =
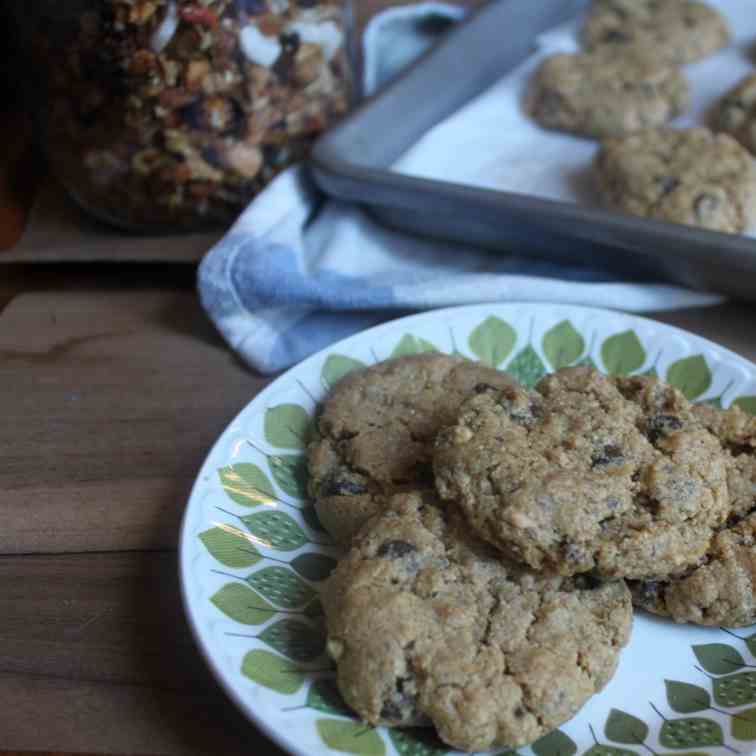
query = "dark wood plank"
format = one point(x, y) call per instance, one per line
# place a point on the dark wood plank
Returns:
point(110, 402)
point(45, 714)
point(95, 655)
point(101, 618)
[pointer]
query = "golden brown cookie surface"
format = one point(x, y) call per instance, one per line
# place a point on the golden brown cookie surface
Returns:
point(676, 31)
point(602, 95)
point(376, 432)
point(587, 472)
point(428, 625)
point(721, 590)
point(688, 176)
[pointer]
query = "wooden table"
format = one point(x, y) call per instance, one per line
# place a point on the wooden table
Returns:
point(114, 386)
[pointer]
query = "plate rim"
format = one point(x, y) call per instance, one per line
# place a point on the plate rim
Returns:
point(280, 739)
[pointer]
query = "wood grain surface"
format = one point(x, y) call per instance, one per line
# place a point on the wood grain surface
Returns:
point(114, 386)
point(78, 356)
point(114, 389)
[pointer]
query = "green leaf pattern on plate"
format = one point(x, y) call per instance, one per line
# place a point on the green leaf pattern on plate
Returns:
point(718, 658)
point(290, 473)
point(685, 698)
point(347, 736)
point(492, 341)
point(230, 547)
point(337, 366)
point(246, 484)
point(281, 586)
point(294, 639)
point(735, 690)
point(691, 375)
point(272, 671)
point(312, 566)
point(623, 353)
point(324, 696)
point(622, 727)
point(606, 750)
point(527, 367)
point(747, 404)
point(562, 345)
point(692, 732)
point(287, 426)
point(743, 727)
point(410, 344)
point(310, 516)
point(556, 743)
point(750, 642)
point(276, 530)
point(416, 742)
point(242, 604)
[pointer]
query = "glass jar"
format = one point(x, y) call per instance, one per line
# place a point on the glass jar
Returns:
point(173, 114)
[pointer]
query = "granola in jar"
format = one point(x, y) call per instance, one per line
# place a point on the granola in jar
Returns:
point(172, 114)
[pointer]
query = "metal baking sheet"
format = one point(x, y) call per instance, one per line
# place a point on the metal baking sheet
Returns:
point(353, 162)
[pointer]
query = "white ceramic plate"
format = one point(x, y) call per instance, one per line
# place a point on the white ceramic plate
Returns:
point(253, 556)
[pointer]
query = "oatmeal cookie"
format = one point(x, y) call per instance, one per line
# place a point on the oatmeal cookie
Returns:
point(587, 473)
point(736, 113)
point(721, 590)
point(675, 31)
point(604, 95)
point(428, 625)
point(689, 176)
point(376, 433)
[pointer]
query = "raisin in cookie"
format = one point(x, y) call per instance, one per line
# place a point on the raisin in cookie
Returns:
point(376, 433)
point(721, 590)
point(736, 113)
point(675, 31)
point(689, 176)
point(587, 472)
point(428, 625)
point(605, 95)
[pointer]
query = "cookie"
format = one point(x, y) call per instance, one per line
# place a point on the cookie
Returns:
point(675, 31)
point(689, 176)
point(376, 431)
point(736, 113)
point(587, 473)
point(428, 625)
point(603, 95)
point(721, 590)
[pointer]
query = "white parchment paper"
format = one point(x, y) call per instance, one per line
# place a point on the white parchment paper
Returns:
point(491, 143)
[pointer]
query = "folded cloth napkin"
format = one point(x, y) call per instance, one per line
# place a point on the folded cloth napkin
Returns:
point(297, 272)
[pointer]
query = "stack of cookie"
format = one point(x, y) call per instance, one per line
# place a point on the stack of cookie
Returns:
point(497, 537)
point(627, 86)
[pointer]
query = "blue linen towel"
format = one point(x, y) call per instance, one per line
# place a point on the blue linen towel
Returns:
point(296, 273)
